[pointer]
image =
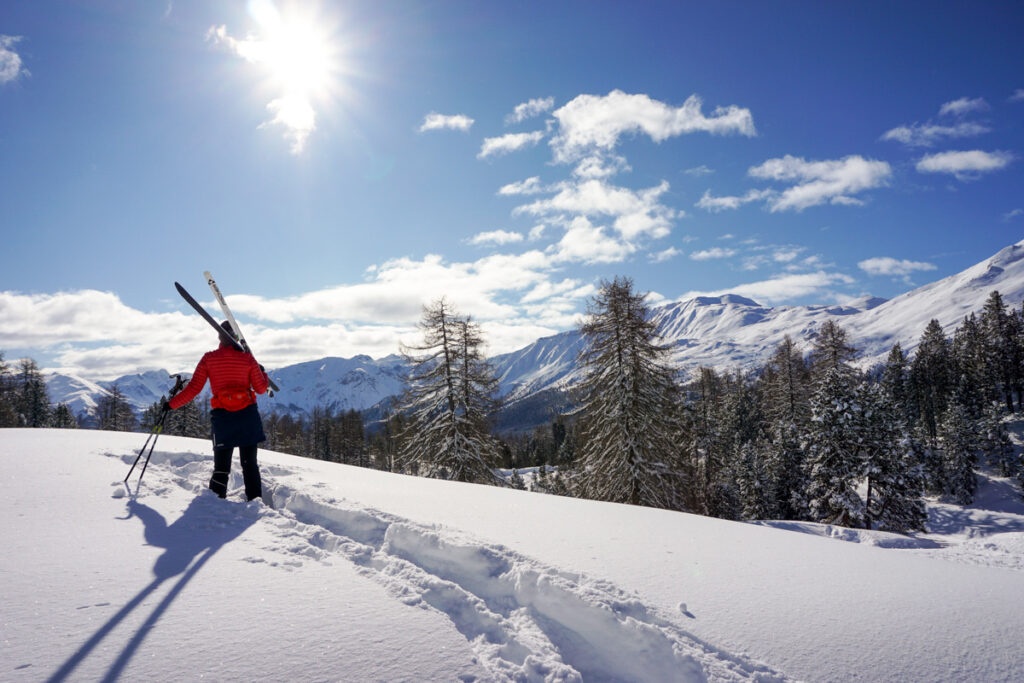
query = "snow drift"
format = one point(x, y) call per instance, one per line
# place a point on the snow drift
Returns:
point(361, 575)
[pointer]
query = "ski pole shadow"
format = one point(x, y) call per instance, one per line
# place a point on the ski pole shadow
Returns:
point(188, 543)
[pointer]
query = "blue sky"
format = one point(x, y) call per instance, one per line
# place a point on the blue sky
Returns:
point(337, 165)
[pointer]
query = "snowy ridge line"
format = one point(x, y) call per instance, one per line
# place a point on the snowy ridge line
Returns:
point(523, 620)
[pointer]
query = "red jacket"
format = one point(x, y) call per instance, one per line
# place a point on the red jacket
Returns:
point(231, 373)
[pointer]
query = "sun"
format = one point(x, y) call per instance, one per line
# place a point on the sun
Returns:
point(298, 51)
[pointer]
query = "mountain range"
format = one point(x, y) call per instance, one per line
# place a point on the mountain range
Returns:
point(724, 332)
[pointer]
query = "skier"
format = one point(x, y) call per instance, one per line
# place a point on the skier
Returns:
point(235, 379)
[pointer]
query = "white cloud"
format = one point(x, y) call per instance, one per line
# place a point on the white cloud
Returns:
point(713, 253)
point(584, 242)
point(529, 186)
point(508, 143)
point(786, 254)
point(496, 237)
point(10, 61)
point(1010, 215)
point(600, 166)
point(1017, 96)
point(927, 135)
point(636, 213)
point(885, 265)
point(966, 165)
point(699, 171)
point(536, 232)
point(820, 182)
point(781, 288)
point(591, 123)
point(662, 256)
point(435, 121)
point(530, 109)
point(963, 106)
point(718, 204)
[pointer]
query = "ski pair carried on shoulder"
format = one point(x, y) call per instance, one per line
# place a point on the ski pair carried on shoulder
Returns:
point(239, 341)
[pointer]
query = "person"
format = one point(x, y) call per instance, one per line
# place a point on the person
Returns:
point(235, 379)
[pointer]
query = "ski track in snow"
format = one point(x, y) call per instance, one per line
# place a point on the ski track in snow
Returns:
point(523, 620)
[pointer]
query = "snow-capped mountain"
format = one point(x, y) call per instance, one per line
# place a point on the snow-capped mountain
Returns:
point(336, 383)
point(725, 332)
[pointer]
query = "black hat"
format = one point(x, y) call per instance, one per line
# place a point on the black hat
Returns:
point(227, 334)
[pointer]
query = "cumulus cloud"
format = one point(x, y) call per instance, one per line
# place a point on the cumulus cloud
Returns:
point(966, 165)
point(508, 143)
point(635, 213)
point(11, 66)
point(530, 109)
point(435, 121)
point(821, 182)
point(927, 135)
point(584, 242)
point(496, 237)
point(718, 204)
point(592, 123)
point(964, 105)
point(885, 265)
point(713, 253)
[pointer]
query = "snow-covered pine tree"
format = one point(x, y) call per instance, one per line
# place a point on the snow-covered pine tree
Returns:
point(956, 432)
point(994, 441)
point(753, 480)
point(1001, 347)
point(627, 452)
point(447, 401)
point(894, 485)
point(786, 381)
point(832, 451)
point(932, 380)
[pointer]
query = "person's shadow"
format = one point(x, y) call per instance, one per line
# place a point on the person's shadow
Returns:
point(202, 530)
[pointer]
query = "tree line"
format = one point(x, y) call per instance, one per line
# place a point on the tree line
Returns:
point(803, 437)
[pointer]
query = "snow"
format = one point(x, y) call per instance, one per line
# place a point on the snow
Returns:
point(354, 574)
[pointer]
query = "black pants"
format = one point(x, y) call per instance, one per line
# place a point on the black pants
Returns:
point(250, 471)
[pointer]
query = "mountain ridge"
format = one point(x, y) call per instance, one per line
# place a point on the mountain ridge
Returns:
point(727, 332)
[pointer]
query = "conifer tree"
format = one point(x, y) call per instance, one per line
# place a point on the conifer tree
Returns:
point(755, 489)
point(894, 485)
point(63, 418)
point(956, 432)
point(833, 456)
point(832, 351)
point(8, 396)
point(627, 451)
point(786, 395)
point(932, 380)
point(114, 413)
point(447, 401)
point(1001, 348)
point(994, 442)
point(32, 404)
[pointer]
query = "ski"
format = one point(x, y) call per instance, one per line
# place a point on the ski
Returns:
point(231, 320)
point(206, 316)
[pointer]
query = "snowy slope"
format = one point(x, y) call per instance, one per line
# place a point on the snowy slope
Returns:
point(336, 383)
point(362, 575)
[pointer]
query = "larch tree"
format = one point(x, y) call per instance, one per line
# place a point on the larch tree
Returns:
point(627, 452)
point(448, 401)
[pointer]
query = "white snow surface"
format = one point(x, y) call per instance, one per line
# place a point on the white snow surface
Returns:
point(358, 575)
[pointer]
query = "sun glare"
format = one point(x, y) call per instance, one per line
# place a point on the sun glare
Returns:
point(298, 49)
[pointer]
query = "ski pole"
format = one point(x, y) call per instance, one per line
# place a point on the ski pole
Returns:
point(154, 433)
